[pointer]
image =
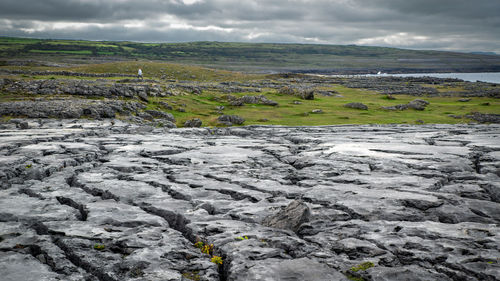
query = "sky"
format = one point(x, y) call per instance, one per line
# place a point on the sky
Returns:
point(450, 25)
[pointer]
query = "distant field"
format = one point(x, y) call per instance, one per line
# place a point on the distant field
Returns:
point(253, 57)
point(81, 52)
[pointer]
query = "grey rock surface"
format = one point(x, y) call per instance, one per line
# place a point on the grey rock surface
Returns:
point(230, 120)
point(417, 104)
point(107, 200)
point(356, 105)
point(292, 217)
point(68, 108)
point(194, 123)
point(260, 99)
point(484, 117)
point(301, 91)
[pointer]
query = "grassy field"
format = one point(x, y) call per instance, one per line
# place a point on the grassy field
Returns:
point(333, 110)
point(289, 112)
point(161, 70)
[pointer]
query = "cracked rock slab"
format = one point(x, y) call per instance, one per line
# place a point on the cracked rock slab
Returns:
point(106, 200)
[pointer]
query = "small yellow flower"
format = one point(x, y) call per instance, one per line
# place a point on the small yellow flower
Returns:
point(216, 260)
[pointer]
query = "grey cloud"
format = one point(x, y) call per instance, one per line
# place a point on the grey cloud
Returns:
point(444, 24)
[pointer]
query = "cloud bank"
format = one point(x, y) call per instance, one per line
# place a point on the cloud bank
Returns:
point(454, 25)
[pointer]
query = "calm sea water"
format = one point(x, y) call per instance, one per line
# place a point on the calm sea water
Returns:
point(492, 77)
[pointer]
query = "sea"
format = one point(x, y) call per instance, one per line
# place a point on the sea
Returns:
point(491, 77)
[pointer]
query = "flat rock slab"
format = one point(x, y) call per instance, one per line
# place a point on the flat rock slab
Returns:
point(102, 200)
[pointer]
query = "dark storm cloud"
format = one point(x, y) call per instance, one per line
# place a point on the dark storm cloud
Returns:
point(445, 24)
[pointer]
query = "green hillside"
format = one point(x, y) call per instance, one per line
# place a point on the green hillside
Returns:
point(252, 57)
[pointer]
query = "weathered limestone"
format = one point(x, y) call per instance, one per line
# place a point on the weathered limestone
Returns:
point(106, 200)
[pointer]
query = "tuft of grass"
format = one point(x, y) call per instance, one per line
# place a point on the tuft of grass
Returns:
point(354, 278)
point(362, 266)
point(195, 275)
point(351, 273)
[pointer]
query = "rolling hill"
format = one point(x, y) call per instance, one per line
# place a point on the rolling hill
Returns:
point(250, 57)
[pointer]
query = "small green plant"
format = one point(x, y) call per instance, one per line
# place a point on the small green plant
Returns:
point(208, 249)
point(29, 166)
point(242, 238)
point(205, 248)
point(363, 266)
point(351, 273)
point(216, 260)
point(99, 247)
point(136, 272)
point(195, 275)
point(353, 278)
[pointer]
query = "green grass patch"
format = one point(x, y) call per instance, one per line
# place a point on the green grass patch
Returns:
point(334, 113)
point(80, 52)
point(162, 70)
point(363, 266)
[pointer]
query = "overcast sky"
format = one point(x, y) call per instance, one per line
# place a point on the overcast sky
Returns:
point(457, 25)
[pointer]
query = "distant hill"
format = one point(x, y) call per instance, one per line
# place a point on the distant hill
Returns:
point(484, 53)
point(252, 57)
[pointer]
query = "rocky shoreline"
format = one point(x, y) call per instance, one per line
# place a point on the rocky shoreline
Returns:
point(107, 200)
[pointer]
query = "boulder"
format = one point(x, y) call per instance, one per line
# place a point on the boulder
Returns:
point(195, 122)
point(143, 96)
point(166, 105)
point(230, 120)
point(484, 117)
point(24, 125)
point(329, 93)
point(165, 123)
point(396, 107)
point(291, 217)
point(146, 116)
point(418, 104)
point(356, 105)
point(303, 93)
point(261, 99)
point(161, 114)
point(306, 94)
